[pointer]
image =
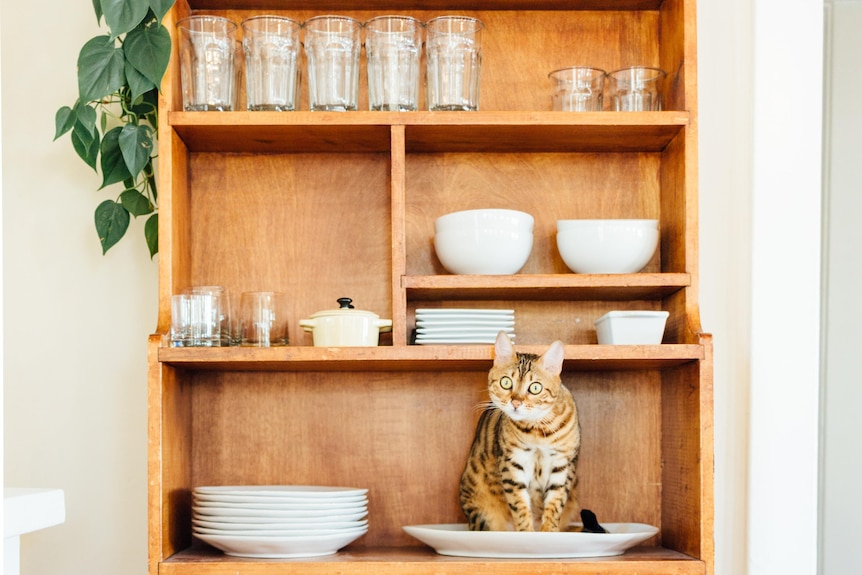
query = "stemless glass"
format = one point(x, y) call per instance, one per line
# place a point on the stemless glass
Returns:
point(263, 319)
point(577, 89)
point(332, 46)
point(453, 51)
point(271, 48)
point(207, 63)
point(392, 46)
point(636, 89)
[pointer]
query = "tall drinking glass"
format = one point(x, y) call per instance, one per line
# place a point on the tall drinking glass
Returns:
point(271, 48)
point(332, 46)
point(207, 63)
point(453, 51)
point(393, 45)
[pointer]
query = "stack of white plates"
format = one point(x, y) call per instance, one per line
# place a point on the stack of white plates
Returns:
point(448, 326)
point(279, 521)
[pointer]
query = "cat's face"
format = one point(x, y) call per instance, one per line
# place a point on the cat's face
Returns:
point(525, 386)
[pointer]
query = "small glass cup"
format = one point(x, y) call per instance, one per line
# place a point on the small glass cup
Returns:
point(263, 319)
point(636, 89)
point(393, 45)
point(200, 317)
point(577, 89)
point(271, 48)
point(332, 46)
point(207, 63)
point(453, 59)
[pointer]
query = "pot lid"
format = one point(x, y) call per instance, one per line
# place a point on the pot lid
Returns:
point(345, 309)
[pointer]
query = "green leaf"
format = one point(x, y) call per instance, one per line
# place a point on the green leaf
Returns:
point(101, 69)
point(136, 203)
point(138, 83)
point(112, 221)
point(86, 144)
point(136, 145)
point(113, 164)
point(151, 233)
point(123, 15)
point(86, 117)
point(64, 119)
point(148, 50)
point(161, 7)
point(97, 7)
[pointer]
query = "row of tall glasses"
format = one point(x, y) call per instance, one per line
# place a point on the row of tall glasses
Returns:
point(272, 47)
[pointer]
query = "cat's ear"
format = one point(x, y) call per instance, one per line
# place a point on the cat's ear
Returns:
point(552, 359)
point(504, 351)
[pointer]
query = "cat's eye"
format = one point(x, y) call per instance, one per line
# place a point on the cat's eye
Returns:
point(535, 388)
point(505, 383)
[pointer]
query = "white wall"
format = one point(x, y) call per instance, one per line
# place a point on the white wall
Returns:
point(75, 405)
point(841, 498)
point(76, 323)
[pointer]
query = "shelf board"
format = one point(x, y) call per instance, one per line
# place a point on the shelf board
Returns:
point(423, 561)
point(390, 5)
point(427, 132)
point(607, 287)
point(418, 357)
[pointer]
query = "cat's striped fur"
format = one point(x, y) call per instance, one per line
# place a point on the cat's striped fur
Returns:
point(522, 469)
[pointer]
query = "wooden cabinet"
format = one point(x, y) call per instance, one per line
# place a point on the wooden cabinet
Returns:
point(324, 205)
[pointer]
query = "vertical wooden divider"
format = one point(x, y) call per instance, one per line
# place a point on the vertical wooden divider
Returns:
point(397, 190)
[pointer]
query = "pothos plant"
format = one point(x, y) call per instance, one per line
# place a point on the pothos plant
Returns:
point(114, 121)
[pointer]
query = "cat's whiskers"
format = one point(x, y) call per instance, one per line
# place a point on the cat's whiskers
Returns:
point(483, 405)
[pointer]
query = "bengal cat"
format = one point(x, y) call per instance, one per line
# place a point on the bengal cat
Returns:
point(521, 473)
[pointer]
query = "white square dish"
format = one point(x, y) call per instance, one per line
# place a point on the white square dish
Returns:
point(631, 327)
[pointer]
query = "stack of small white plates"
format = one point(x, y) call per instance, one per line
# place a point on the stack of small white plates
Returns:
point(448, 326)
point(279, 521)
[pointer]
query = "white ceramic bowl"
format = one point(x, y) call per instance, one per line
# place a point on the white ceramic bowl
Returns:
point(631, 327)
point(607, 246)
point(483, 250)
point(491, 218)
point(578, 224)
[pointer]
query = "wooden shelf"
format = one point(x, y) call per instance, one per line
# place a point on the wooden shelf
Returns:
point(417, 357)
point(423, 561)
point(646, 286)
point(427, 132)
point(390, 5)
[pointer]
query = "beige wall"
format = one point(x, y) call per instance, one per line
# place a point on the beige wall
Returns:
point(76, 322)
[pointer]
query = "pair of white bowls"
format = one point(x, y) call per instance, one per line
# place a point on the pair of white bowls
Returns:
point(499, 241)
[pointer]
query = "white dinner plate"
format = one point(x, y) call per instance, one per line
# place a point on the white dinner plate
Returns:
point(275, 532)
point(265, 517)
point(489, 323)
point(282, 547)
point(344, 507)
point(455, 539)
point(277, 525)
point(464, 330)
point(285, 499)
point(293, 515)
point(463, 311)
point(457, 340)
point(311, 491)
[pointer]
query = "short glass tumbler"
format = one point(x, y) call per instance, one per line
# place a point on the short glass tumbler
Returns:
point(207, 63)
point(577, 89)
point(636, 89)
point(332, 47)
point(271, 48)
point(453, 60)
point(393, 45)
point(263, 319)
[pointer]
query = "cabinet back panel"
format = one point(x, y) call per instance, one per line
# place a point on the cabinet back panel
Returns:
point(541, 322)
point(521, 47)
point(547, 186)
point(383, 431)
point(316, 230)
